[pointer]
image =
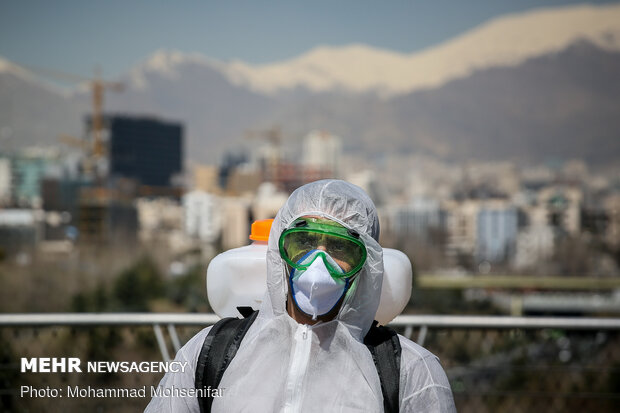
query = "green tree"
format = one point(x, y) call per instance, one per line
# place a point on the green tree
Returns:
point(137, 285)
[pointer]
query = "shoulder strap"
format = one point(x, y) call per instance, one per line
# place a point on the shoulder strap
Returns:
point(385, 348)
point(218, 349)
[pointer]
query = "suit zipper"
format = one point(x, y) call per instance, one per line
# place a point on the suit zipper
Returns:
point(299, 364)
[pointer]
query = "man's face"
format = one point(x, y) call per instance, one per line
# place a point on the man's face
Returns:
point(344, 255)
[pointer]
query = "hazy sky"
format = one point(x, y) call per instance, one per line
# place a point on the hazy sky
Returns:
point(75, 35)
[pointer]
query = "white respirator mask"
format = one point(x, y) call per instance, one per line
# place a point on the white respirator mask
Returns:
point(315, 291)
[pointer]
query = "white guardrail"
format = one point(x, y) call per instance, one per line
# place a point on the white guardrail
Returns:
point(432, 321)
point(409, 322)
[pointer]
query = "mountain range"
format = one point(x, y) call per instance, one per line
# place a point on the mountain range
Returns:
point(529, 87)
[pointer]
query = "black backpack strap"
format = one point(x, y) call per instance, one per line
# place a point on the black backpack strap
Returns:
point(246, 311)
point(385, 348)
point(218, 350)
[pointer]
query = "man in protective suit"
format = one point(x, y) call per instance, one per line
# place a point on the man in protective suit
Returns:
point(305, 350)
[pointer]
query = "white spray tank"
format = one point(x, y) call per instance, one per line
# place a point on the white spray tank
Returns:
point(238, 277)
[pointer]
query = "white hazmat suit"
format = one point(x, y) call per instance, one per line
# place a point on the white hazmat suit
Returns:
point(283, 366)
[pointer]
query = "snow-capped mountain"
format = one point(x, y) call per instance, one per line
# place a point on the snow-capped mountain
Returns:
point(8, 67)
point(166, 63)
point(505, 41)
point(527, 86)
point(33, 111)
point(11, 69)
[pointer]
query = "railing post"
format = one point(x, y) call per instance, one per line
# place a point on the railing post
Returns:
point(408, 331)
point(176, 344)
point(161, 342)
point(422, 335)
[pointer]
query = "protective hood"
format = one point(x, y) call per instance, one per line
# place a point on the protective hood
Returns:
point(348, 205)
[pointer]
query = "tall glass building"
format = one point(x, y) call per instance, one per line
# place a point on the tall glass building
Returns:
point(147, 150)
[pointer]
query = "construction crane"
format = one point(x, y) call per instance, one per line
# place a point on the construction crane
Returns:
point(271, 155)
point(95, 149)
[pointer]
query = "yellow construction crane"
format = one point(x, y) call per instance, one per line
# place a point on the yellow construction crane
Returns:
point(97, 85)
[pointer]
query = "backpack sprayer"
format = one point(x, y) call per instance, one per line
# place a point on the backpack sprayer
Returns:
point(238, 277)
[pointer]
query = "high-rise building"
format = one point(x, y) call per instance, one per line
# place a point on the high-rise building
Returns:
point(105, 215)
point(496, 231)
point(28, 168)
point(236, 215)
point(461, 226)
point(205, 178)
point(203, 215)
point(321, 153)
point(147, 150)
point(418, 218)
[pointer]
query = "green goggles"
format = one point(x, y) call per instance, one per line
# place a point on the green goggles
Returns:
point(307, 235)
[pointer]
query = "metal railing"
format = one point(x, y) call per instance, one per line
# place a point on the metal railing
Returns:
point(408, 322)
point(444, 321)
